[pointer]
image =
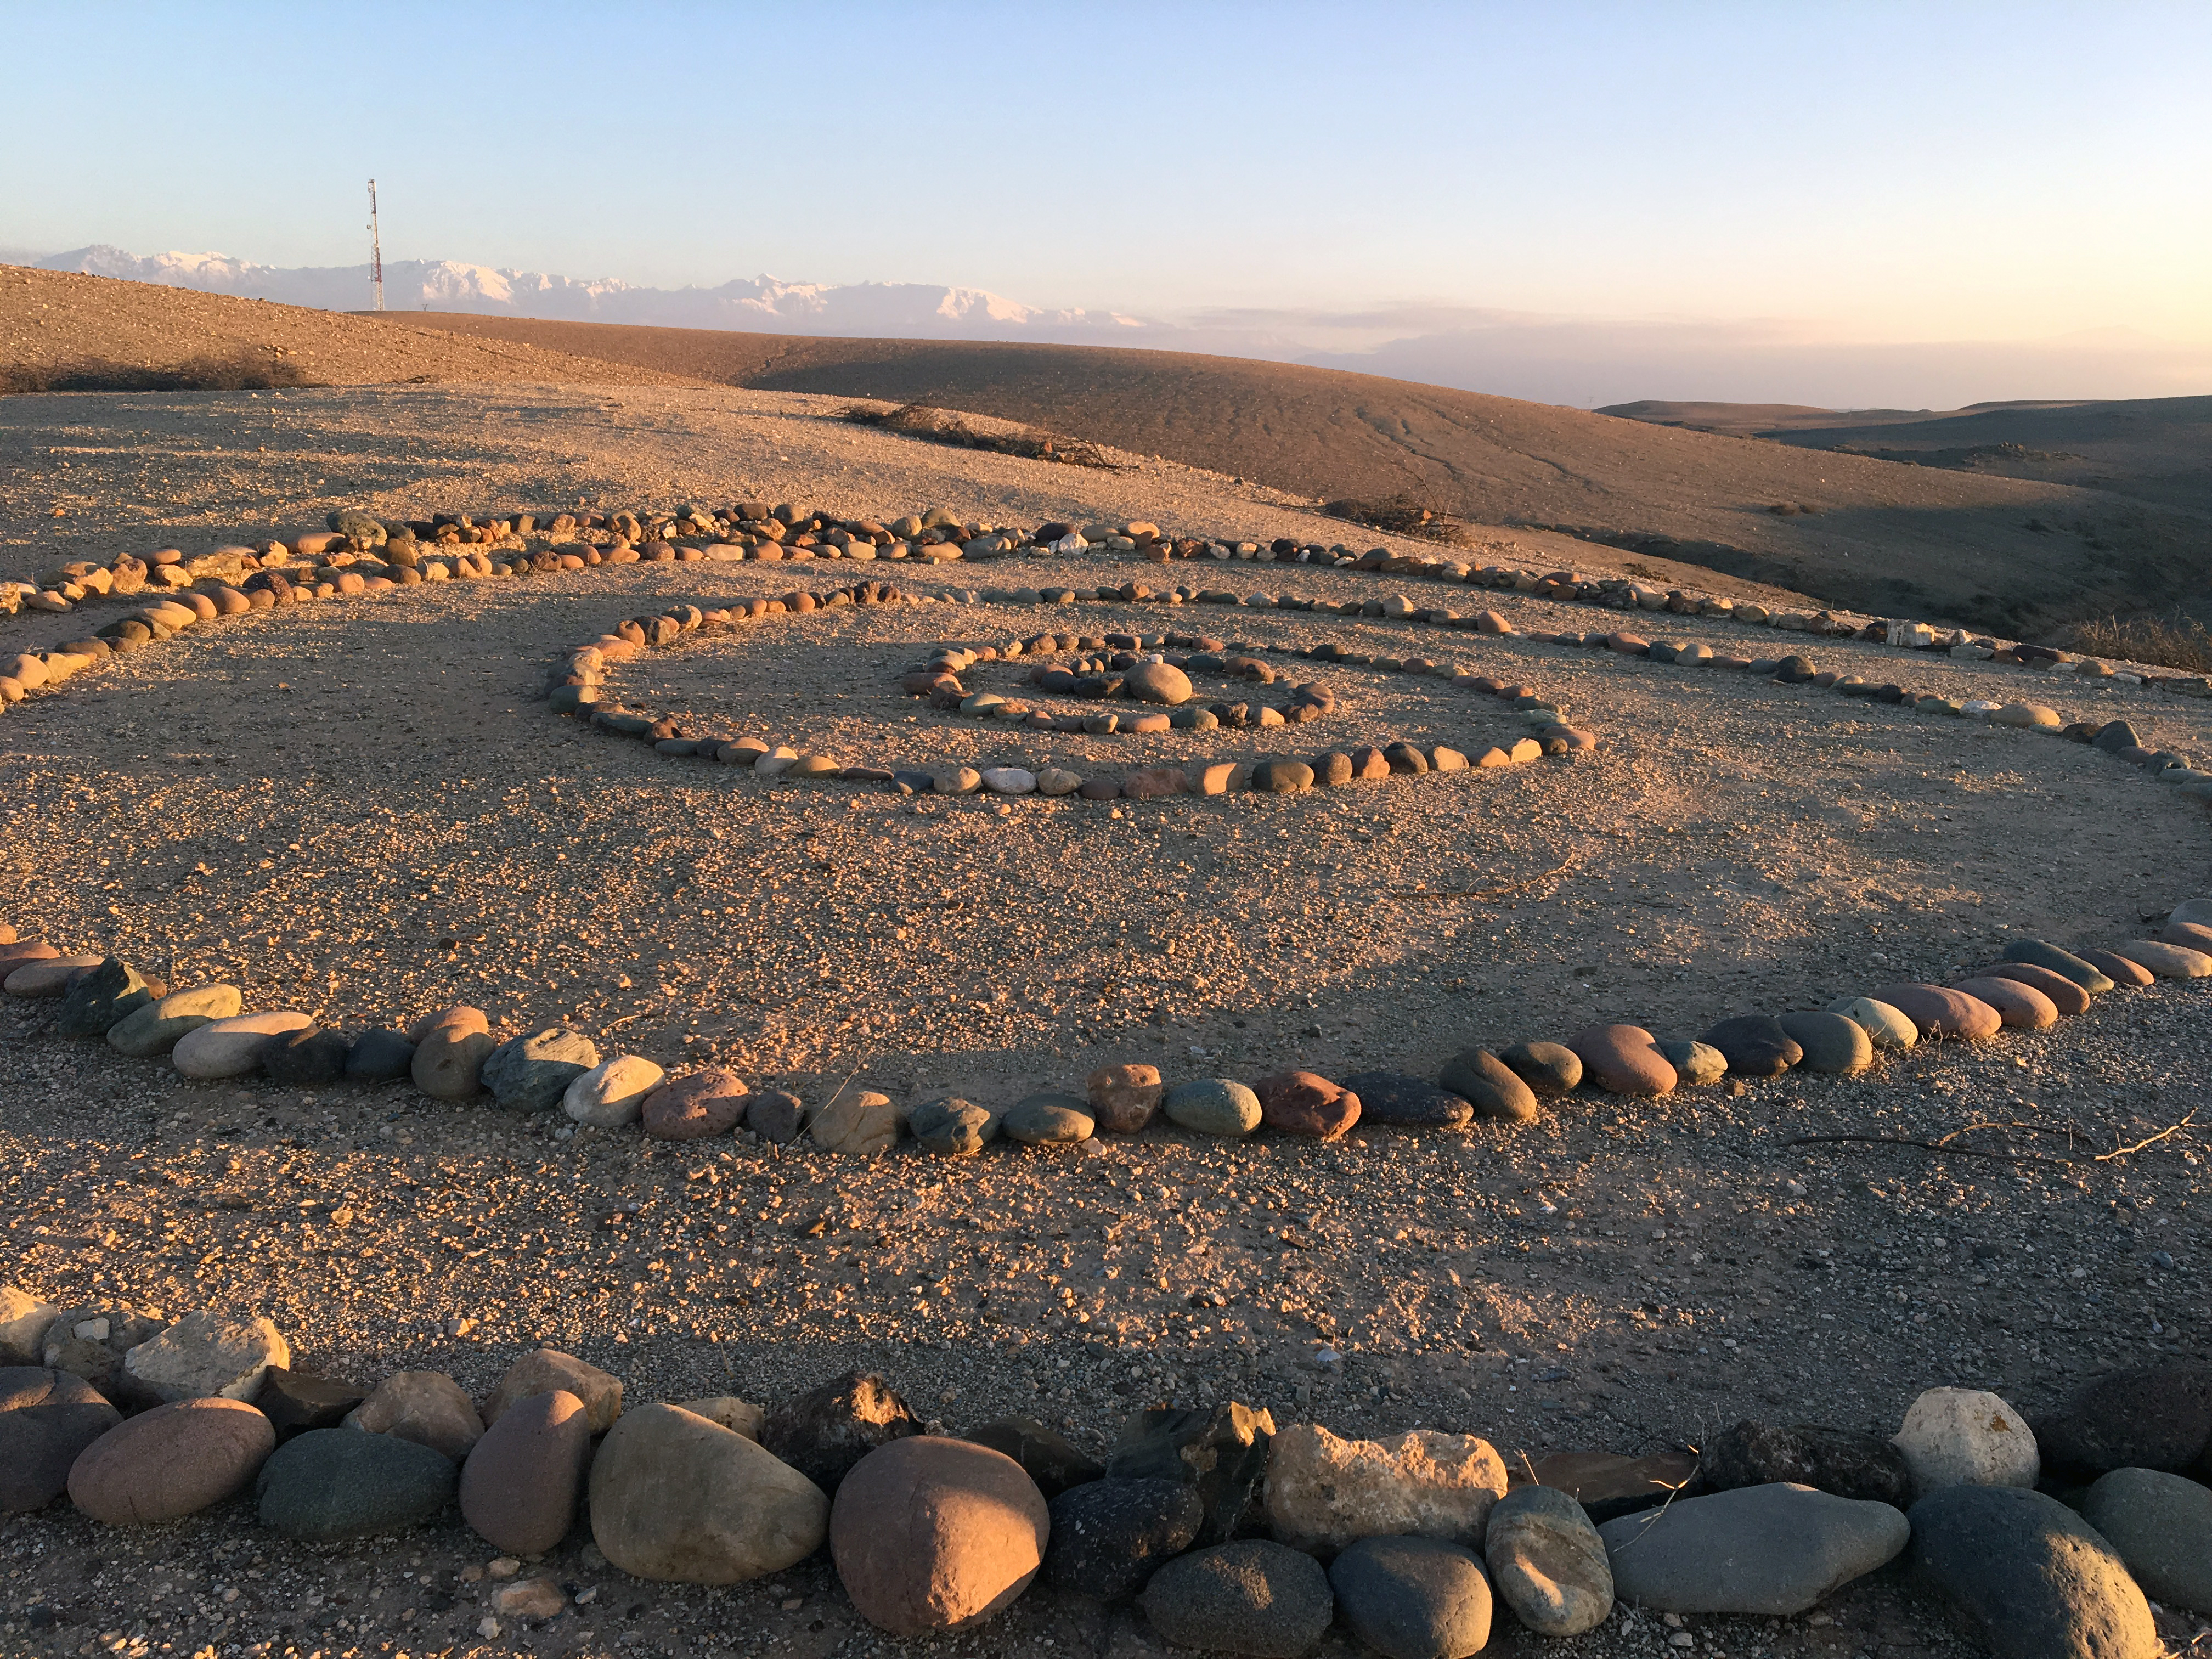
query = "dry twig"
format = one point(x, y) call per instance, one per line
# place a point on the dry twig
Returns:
point(1946, 1146)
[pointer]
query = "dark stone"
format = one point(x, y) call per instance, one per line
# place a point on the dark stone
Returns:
point(381, 1056)
point(1049, 1458)
point(328, 1485)
point(1550, 1069)
point(1794, 670)
point(1840, 1460)
point(919, 782)
point(1256, 1598)
point(1755, 1045)
point(2038, 953)
point(101, 999)
point(777, 1116)
point(295, 1403)
point(828, 1430)
point(47, 1417)
point(1830, 1043)
point(1413, 1598)
point(1110, 1537)
point(306, 1057)
point(1404, 757)
point(2153, 1417)
point(1282, 777)
point(1392, 1100)
point(2030, 1577)
point(2115, 737)
point(1221, 1453)
point(1489, 1085)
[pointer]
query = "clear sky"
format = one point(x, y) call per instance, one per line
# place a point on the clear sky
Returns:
point(1902, 171)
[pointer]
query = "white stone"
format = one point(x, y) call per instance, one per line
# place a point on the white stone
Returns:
point(1966, 1438)
point(1010, 780)
point(23, 1322)
point(1323, 1492)
point(208, 1355)
point(1886, 1027)
point(775, 763)
point(232, 1048)
point(612, 1093)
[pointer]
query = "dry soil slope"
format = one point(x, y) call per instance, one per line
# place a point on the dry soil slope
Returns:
point(60, 331)
point(1881, 536)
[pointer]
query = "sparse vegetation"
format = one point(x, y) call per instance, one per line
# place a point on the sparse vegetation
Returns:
point(944, 426)
point(241, 370)
point(1401, 517)
point(2173, 641)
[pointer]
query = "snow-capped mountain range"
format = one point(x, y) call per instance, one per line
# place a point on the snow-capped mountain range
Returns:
point(761, 304)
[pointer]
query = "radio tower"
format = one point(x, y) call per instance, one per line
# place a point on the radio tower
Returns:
point(375, 251)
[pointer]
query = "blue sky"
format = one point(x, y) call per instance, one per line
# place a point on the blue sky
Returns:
point(1914, 172)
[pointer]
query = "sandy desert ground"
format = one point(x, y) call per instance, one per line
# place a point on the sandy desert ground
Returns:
point(359, 810)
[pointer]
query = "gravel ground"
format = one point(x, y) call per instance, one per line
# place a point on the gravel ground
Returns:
point(357, 810)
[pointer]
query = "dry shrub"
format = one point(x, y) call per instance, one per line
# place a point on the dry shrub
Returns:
point(2178, 641)
point(1401, 517)
point(944, 426)
point(241, 372)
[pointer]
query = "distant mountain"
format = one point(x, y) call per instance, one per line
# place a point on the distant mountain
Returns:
point(762, 304)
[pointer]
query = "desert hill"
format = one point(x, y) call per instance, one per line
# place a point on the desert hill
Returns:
point(2022, 555)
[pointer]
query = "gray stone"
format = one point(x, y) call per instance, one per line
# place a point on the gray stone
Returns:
point(307, 1058)
point(530, 1073)
point(1550, 1069)
point(1486, 1082)
point(1775, 1549)
point(1830, 1043)
point(1696, 1064)
point(680, 1499)
point(1047, 1456)
point(1413, 1598)
point(2038, 953)
point(1548, 1562)
point(428, 1408)
point(383, 1056)
point(1222, 1453)
point(953, 1128)
point(1255, 1598)
point(328, 1485)
point(92, 1342)
point(294, 1402)
point(1755, 1045)
point(47, 1417)
point(1213, 1106)
point(232, 1048)
point(778, 1116)
point(2147, 1417)
point(102, 1000)
point(24, 1321)
point(2161, 1525)
point(1158, 681)
point(2033, 1579)
point(1110, 1537)
point(207, 1354)
point(156, 1028)
point(1392, 1100)
point(1048, 1120)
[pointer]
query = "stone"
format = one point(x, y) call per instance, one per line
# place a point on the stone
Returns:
point(1548, 1562)
point(2028, 716)
point(2021, 1006)
point(2040, 954)
point(330, 1484)
point(1843, 1462)
point(307, 1058)
point(102, 1000)
point(1010, 780)
point(170, 1462)
point(449, 1050)
point(777, 1116)
point(1057, 781)
point(380, 1056)
point(1305, 1103)
point(952, 1127)
point(231, 1048)
point(428, 1408)
point(1157, 682)
point(1213, 1106)
point(1109, 1537)
point(955, 780)
point(1696, 1064)
point(826, 1432)
point(1775, 1549)
point(2120, 970)
point(548, 1370)
point(2150, 1417)
point(2161, 1527)
point(1755, 1045)
point(1623, 1060)
point(1412, 1598)
point(2029, 1577)
point(1123, 1097)
point(862, 1123)
point(1394, 1100)
point(1834, 1044)
point(1221, 1453)
point(1608, 1485)
point(970, 1536)
point(738, 1416)
point(1254, 1598)
point(2063, 994)
point(1282, 777)
point(1323, 1491)
point(24, 1320)
point(49, 977)
point(1489, 1085)
point(539, 1598)
point(695, 1106)
point(2165, 961)
point(47, 1418)
point(1048, 1120)
point(294, 1401)
point(156, 1028)
point(1937, 1012)
point(91, 1343)
point(531, 1073)
point(1966, 1438)
point(207, 1355)
point(613, 1092)
point(1885, 1026)
point(679, 1499)
point(1048, 1457)
point(1550, 1069)
point(519, 1486)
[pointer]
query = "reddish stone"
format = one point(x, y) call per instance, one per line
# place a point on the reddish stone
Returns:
point(2190, 935)
point(1123, 1097)
point(2065, 995)
point(1623, 1060)
point(1369, 763)
point(170, 1462)
point(1305, 1103)
point(1939, 1012)
point(969, 1535)
point(518, 1487)
point(2119, 970)
point(2017, 1005)
point(695, 1107)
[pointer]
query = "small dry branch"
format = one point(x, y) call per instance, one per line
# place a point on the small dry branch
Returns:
point(1949, 1145)
point(1502, 891)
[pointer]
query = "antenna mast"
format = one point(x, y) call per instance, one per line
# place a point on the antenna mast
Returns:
point(375, 251)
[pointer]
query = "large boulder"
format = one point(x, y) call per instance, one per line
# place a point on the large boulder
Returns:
point(1110, 1537)
point(428, 1408)
point(1967, 1437)
point(1775, 1549)
point(2161, 1525)
point(47, 1418)
point(549, 1369)
point(826, 1432)
point(170, 1462)
point(2030, 1577)
point(519, 1486)
point(1255, 1598)
point(936, 1534)
point(2148, 1417)
point(1413, 1598)
point(530, 1073)
point(1324, 1491)
point(330, 1484)
point(205, 1355)
point(679, 1499)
